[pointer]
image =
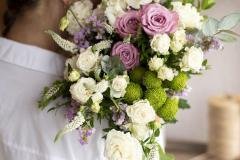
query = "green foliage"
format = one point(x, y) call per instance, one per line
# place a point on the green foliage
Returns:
point(112, 66)
point(210, 26)
point(179, 82)
point(136, 75)
point(229, 22)
point(58, 88)
point(150, 80)
point(133, 92)
point(207, 4)
point(188, 1)
point(169, 110)
point(183, 104)
point(156, 97)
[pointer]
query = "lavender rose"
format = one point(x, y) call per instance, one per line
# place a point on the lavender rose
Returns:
point(128, 23)
point(128, 54)
point(156, 19)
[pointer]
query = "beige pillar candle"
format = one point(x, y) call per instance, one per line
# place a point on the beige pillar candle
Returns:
point(224, 128)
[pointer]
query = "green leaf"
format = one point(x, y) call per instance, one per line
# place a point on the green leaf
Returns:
point(230, 21)
point(163, 155)
point(49, 94)
point(188, 1)
point(157, 133)
point(210, 27)
point(183, 104)
point(207, 4)
point(226, 37)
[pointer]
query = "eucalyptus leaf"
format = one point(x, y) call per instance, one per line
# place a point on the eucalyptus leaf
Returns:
point(210, 26)
point(230, 21)
point(207, 4)
point(226, 37)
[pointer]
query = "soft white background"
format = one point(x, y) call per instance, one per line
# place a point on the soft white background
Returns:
point(224, 77)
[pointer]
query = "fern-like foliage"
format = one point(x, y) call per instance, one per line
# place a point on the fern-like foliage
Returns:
point(63, 43)
point(154, 153)
point(58, 88)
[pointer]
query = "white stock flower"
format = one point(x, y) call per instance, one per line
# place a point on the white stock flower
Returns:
point(102, 86)
point(141, 112)
point(114, 9)
point(155, 63)
point(87, 61)
point(82, 10)
point(161, 43)
point(139, 131)
point(83, 89)
point(188, 15)
point(120, 146)
point(118, 86)
point(136, 4)
point(166, 73)
point(178, 40)
point(192, 60)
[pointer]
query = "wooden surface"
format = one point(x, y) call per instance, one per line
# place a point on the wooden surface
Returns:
point(2, 10)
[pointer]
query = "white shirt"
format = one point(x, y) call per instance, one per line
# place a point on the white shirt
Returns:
point(26, 133)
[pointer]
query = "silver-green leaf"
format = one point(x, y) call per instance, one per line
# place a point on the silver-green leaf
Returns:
point(230, 21)
point(226, 37)
point(210, 27)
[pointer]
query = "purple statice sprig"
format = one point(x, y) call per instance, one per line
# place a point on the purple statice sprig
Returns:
point(71, 110)
point(84, 134)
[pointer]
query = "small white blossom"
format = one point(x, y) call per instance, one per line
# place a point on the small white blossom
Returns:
point(161, 43)
point(102, 86)
point(166, 73)
point(74, 76)
point(192, 59)
point(118, 86)
point(136, 4)
point(188, 15)
point(155, 63)
point(178, 40)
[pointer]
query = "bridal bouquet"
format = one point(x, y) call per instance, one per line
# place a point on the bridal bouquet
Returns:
point(130, 63)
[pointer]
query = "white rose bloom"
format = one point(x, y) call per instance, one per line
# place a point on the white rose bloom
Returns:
point(161, 43)
point(192, 60)
point(188, 15)
point(141, 132)
point(114, 9)
point(102, 86)
point(74, 76)
point(166, 73)
point(118, 86)
point(87, 61)
point(179, 40)
point(83, 89)
point(97, 97)
point(136, 4)
point(120, 146)
point(141, 112)
point(155, 63)
point(82, 10)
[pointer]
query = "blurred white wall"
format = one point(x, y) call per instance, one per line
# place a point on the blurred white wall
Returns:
point(224, 77)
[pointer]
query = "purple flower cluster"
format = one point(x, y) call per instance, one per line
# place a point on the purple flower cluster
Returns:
point(85, 134)
point(119, 117)
point(71, 110)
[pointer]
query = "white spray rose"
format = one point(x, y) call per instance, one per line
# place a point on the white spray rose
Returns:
point(155, 63)
point(136, 4)
point(141, 132)
point(83, 89)
point(74, 76)
point(118, 86)
point(72, 63)
point(114, 9)
point(82, 10)
point(161, 43)
point(166, 73)
point(87, 61)
point(192, 60)
point(97, 99)
point(141, 112)
point(102, 86)
point(179, 40)
point(188, 15)
point(120, 146)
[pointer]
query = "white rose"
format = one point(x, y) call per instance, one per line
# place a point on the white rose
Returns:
point(136, 4)
point(102, 86)
point(166, 73)
point(179, 40)
point(82, 10)
point(160, 43)
point(188, 15)
point(87, 61)
point(83, 89)
point(155, 63)
point(118, 86)
point(141, 112)
point(192, 60)
point(141, 132)
point(97, 97)
point(120, 146)
point(114, 9)
point(74, 76)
